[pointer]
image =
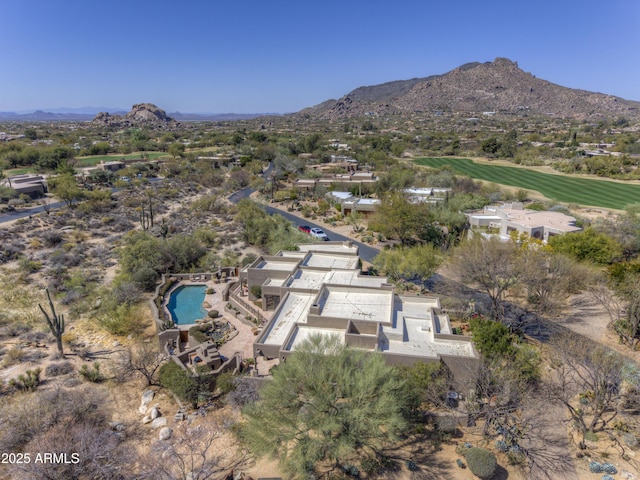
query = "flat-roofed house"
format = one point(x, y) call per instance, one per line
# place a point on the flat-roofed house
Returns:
point(508, 218)
point(34, 186)
point(321, 290)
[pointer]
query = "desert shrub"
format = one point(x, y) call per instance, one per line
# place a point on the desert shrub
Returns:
point(59, 368)
point(146, 277)
point(447, 425)
point(501, 446)
point(256, 291)
point(481, 462)
point(95, 445)
point(412, 466)
point(31, 414)
point(13, 356)
point(30, 266)
point(370, 466)
point(609, 468)
point(246, 390)
point(51, 238)
point(93, 373)
point(122, 320)
point(460, 463)
point(225, 383)
point(126, 292)
point(595, 467)
point(199, 332)
point(28, 381)
point(178, 380)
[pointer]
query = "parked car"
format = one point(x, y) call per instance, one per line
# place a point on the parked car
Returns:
point(318, 234)
point(304, 228)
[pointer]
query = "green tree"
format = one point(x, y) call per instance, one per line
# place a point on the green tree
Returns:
point(66, 188)
point(410, 263)
point(396, 217)
point(190, 388)
point(350, 407)
point(492, 339)
point(587, 246)
point(176, 150)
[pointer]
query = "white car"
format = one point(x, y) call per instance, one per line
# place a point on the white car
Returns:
point(318, 234)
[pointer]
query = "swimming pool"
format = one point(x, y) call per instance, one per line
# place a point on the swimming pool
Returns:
point(185, 304)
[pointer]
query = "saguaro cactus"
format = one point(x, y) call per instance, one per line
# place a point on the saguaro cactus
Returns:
point(55, 322)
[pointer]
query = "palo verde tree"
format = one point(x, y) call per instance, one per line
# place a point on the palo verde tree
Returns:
point(327, 406)
point(590, 381)
point(409, 263)
point(492, 265)
point(55, 322)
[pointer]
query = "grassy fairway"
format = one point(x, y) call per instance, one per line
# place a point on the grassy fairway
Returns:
point(96, 159)
point(582, 191)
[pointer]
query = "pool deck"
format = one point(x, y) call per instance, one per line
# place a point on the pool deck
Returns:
point(243, 341)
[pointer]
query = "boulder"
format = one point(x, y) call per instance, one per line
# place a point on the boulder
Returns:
point(116, 426)
point(155, 413)
point(147, 396)
point(165, 433)
point(159, 422)
point(147, 419)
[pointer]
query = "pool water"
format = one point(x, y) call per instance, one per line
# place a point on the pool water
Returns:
point(185, 304)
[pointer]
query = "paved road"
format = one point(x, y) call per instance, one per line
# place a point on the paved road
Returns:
point(366, 252)
point(29, 211)
point(52, 206)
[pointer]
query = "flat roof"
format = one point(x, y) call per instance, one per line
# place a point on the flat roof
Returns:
point(294, 310)
point(335, 247)
point(302, 332)
point(275, 265)
point(356, 303)
point(314, 279)
point(326, 260)
point(419, 340)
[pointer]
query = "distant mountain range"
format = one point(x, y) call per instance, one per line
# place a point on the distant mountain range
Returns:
point(86, 114)
point(498, 86)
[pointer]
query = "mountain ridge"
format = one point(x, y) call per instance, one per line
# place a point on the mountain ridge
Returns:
point(498, 86)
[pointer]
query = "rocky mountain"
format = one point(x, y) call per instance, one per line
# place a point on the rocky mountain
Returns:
point(141, 114)
point(499, 86)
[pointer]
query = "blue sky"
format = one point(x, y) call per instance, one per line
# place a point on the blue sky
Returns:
point(247, 56)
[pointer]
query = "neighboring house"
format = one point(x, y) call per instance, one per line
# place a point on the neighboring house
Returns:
point(349, 203)
point(364, 206)
point(427, 194)
point(320, 289)
point(508, 218)
point(34, 186)
point(343, 180)
point(111, 166)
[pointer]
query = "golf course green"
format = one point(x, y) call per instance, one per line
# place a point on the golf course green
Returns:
point(561, 188)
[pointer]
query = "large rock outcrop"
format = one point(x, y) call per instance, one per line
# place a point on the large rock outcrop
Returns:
point(141, 115)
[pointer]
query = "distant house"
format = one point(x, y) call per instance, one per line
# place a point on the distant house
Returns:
point(512, 217)
point(342, 180)
point(427, 194)
point(34, 186)
point(364, 206)
point(111, 166)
